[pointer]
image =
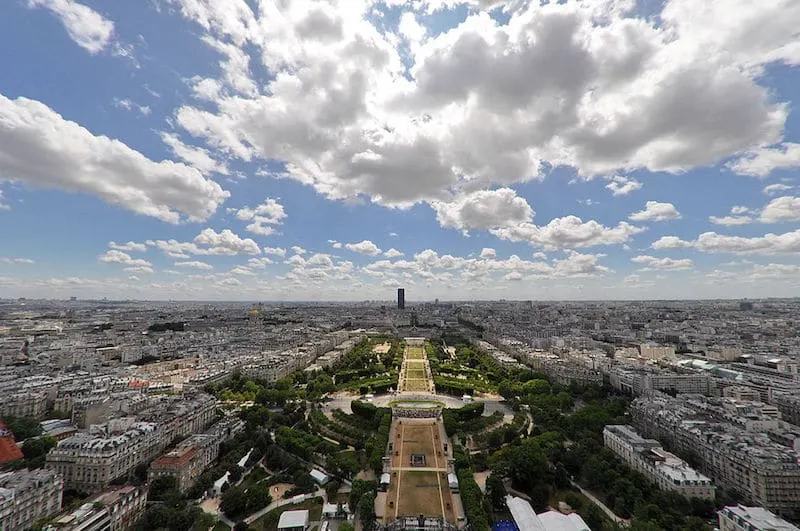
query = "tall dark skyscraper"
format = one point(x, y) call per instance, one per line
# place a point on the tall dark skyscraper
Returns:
point(401, 299)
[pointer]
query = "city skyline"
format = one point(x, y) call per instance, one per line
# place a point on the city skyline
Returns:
point(339, 150)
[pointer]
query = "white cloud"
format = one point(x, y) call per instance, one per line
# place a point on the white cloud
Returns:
point(711, 242)
point(194, 264)
point(620, 185)
point(668, 264)
point(513, 276)
point(226, 242)
point(298, 250)
point(568, 232)
point(488, 252)
point(119, 257)
point(88, 28)
point(486, 104)
point(241, 270)
point(484, 210)
point(762, 162)
point(785, 208)
point(730, 220)
point(670, 242)
point(776, 188)
point(270, 212)
point(138, 269)
point(194, 156)
point(655, 211)
point(3, 206)
point(392, 253)
point(276, 251)
point(40, 148)
point(363, 247)
point(320, 259)
point(130, 246)
point(130, 105)
point(16, 261)
point(259, 263)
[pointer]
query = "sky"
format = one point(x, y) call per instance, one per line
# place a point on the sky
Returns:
point(340, 149)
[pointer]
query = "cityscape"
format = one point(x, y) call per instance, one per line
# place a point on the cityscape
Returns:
point(400, 414)
point(399, 265)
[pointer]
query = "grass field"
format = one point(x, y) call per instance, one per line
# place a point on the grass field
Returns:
point(269, 522)
point(415, 353)
point(415, 385)
point(415, 373)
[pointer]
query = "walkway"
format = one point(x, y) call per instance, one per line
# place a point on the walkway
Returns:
point(286, 501)
point(614, 518)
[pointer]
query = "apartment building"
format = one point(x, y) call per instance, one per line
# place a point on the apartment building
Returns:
point(23, 404)
point(763, 471)
point(661, 467)
point(741, 518)
point(187, 461)
point(27, 496)
point(117, 509)
point(90, 462)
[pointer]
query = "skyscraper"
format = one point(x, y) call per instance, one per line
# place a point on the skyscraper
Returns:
point(401, 299)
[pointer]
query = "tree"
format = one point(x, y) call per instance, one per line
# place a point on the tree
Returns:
point(346, 526)
point(23, 427)
point(357, 490)
point(496, 492)
point(366, 509)
point(161, 486)
point(258, 497)
point(236, 473)
point(234, 502)
point(331, 489)
point(204, 521)
point(241, 526)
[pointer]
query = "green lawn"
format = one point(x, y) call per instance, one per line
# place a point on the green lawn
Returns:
point(219, 526)
point(269, 522)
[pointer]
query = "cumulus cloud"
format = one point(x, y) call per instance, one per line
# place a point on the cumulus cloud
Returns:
point(578, 84)
point(712, 242)
point(669, 242)
point(226, 242)
point(668, 264)
point(781, 209)
point(730, 220)
point(568, 232)
point(276, 251)
point(392, 253)
point(620, 185)
point(196, 157)
point(40, 148)
point(484, 210)
point(130, 246)
point(655, 211)
point(776, 188)
point(268, 213)
point(364, 247)
point(762, 162)
point(194, 264)
point(259, 263)
point(89, 29)
point(118, 257)
point(488, 252)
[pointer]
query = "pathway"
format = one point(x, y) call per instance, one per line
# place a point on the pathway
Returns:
point(280, 503)
point(614, 518)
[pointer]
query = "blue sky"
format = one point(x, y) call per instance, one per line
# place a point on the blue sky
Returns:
point(240, 150)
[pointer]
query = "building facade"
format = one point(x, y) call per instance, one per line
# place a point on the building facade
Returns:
point(741, 518)
point(647, 457)
point(27, 496)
